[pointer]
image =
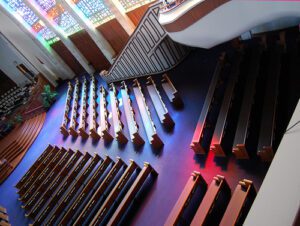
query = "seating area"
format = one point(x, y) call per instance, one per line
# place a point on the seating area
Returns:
point(216, 204)
point(66, 187)
point(12, 99)
point(15, 145)
point(4, 218)
point(240, 108)
point(100, 126)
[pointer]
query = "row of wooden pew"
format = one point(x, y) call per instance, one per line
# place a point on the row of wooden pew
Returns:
point(239, 112)
point(65, 187)
point(4, 219)
point(102, 129)
point(215, 203)
point(14, 146)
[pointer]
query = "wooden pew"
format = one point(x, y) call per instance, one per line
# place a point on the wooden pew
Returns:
point(171, 91)
point(149, 126)
point(74, 115)
point(73, 190)
point(53, 186)
point(93, 109)
point(66, 119)
point(26, 194)
point(89, 207)
point(85, 192)
point(48, 160)
point(158, 103)
point(214, 202)
point(107, 205)
point(239, 204)
point(131, 193)
point(197, 141)
point(130, 118)
point(4, 219)
point(38, 191)
point(221, 144)
point(83, 115)
point(193, 183)
point(116, 115)
point(240, 144)
point(62, 189)
point(34, 167)
point(267, 126)
point(104, 124)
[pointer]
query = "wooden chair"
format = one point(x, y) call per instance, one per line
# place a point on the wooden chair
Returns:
point(239, 204)
point(85, 192)
point(24, 197)
point(61, 190)
point(240, 144)
point(193, 183)
point(88, 209)
point(197, 141)
point(130, 118)
point(108, 203)
point(47, 161)
point(73, 190)
point(158, 103)
point(93, 115)
point(116, 115)
point(131, 193)
point(104, 124)
point(47, 182)
point(53, 186)
point(37, 164)
point(221, 144)
point(66, 119)
point(268, 120)
point(171, 91)
point(213, 204)
point(74, 113)
point(149, 126)
point(83, 115)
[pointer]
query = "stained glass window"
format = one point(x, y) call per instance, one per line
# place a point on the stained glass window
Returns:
point(32, 19)
point(60, 16)
point(95, 10)
point(129, 5)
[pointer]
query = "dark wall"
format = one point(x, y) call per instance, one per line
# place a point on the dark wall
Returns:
point(5, 83)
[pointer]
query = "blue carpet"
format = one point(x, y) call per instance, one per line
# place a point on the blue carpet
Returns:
point(174, 163)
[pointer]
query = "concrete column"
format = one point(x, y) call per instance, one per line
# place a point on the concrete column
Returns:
point(120, 14)
point(60, 33)
point(97, 37)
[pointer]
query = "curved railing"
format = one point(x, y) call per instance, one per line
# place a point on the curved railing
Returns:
point(167, 6)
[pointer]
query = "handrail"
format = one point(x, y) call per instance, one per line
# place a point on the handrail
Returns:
point(166, 7)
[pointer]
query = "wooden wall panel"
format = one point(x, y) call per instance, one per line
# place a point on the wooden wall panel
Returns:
point(137, 14)
point(90, 50)
point(67, 56)
point(114, 33)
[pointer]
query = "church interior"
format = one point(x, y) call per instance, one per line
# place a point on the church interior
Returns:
point(149, 113)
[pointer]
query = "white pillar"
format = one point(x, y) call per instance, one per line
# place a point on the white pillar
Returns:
point(97, 37)
point(121, 16)
point(67, 42)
